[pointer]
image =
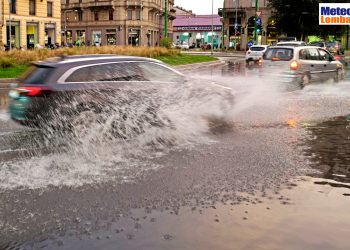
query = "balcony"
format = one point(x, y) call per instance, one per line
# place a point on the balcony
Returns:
point(133, 3)
point(71, 6)
point(97, 4)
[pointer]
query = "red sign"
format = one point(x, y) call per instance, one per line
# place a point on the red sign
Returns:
point(258, 13)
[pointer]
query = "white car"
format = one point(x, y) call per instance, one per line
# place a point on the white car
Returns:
point(182, 45)
point(300, 65)
point(291, 43)
point(255, 53)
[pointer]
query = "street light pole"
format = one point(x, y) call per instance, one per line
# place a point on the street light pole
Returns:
point(166, 19)
point(212, 27)
point(256, 17)
point(10, 45)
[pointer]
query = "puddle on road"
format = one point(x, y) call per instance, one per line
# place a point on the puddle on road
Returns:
point(328, 150)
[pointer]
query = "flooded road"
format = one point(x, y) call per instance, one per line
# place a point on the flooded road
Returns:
point(275, 177)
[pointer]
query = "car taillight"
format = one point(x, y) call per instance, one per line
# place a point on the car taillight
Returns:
point(34, 91)
point(260, 61)
point(294, 65)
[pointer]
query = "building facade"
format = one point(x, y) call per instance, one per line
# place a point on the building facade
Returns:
point(28, 24)
point(238, 18)
point(198, 30)
point(115, 22)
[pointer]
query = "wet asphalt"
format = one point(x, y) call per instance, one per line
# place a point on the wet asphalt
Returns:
point(277, 177)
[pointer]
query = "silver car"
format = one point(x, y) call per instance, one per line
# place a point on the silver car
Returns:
point(301, 65)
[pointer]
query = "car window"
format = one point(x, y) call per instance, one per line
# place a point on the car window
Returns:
point(257, 48)
point(324, 55)
point(107, 72)
point(126, 71)
point(283, 54)
point(38, 75)
point(313, 54)
point(157, 72)
point(304, 54)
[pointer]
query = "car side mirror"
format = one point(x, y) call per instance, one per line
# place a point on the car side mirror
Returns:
point(331, 59)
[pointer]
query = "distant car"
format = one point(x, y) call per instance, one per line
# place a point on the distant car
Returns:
point(322, 45)
point(76, 83)
point(206, 46)
point(291, 43)
point(182, 45)
point(335, 47)
point(255, 53)
point(301, 65)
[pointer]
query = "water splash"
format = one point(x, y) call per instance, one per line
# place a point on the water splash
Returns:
point(111, 136)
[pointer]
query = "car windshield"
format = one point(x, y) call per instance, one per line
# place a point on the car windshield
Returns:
point(318, 44)
point(331, 44)
point(278, 54)
point(257, 48)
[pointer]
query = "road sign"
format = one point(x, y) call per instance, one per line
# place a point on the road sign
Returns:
point(258, 13)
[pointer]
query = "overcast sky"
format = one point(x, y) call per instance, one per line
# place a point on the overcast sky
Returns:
point(200, 6)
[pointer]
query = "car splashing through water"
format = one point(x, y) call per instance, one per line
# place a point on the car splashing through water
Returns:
point(111, 137)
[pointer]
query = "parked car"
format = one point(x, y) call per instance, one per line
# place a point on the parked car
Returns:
point(335, 47)
point(183, 45)
point(291, 43)
point(301, 65)
point(255, 53)
point(75, 83)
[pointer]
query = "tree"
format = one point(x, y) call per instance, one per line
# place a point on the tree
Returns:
point(300, 18)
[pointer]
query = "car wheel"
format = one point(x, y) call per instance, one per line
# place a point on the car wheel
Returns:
point(305, 80)
point(338, 76)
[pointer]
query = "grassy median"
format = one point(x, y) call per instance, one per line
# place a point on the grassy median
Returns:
point(14, 63)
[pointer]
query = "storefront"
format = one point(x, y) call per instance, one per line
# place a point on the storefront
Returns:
point(198, 30)
point(80, 37)
point(96, 38)
point(50, 34)
point(15, 34)
point(111, 36)
point(134, 36)
point(32, 35)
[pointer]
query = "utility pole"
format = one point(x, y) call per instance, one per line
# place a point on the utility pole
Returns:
point(166, 19)
point(256, 17)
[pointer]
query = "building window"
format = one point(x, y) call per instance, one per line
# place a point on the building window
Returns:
point(138, 14)
point(32, 7)
point(129, 14)
point(67, 1)
point(13, 7)
point(80, 16)
point(96, 15)
point(111, 12)
point(49, 9)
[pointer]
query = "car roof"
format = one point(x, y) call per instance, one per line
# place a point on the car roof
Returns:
point(292, 47)
point(64, 60)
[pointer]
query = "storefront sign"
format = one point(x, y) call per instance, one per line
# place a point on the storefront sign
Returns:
point(197, 28)
point(49, 25)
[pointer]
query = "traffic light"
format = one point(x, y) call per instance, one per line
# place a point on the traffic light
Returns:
point(258, 25)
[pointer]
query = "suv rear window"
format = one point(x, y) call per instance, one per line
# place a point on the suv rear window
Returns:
point(37, 75)
point(278, 54)
point(257, 48)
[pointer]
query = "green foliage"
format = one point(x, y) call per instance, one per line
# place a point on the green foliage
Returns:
point(185, 59)
point(6, 62)
point(166, 42)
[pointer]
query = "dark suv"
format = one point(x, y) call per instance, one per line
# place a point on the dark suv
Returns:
point(51, 85)
point(60, 89)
